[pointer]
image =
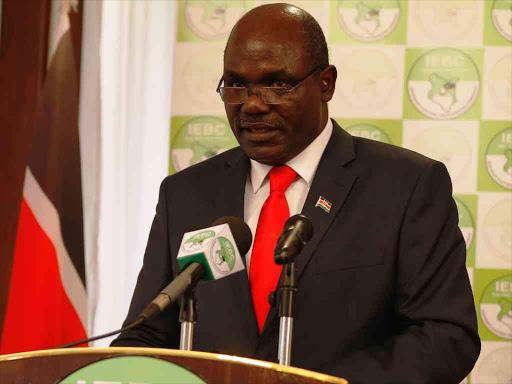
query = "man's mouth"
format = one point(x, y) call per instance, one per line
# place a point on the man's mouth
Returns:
point(258, 131)
point(257, 127)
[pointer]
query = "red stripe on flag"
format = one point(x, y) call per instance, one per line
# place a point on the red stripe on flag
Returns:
point(39, 314)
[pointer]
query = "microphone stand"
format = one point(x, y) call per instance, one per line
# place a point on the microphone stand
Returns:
point(287, 291)
point(297, 231)
point(188, 316)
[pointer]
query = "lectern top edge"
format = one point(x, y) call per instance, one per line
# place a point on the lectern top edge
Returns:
point(173, 352)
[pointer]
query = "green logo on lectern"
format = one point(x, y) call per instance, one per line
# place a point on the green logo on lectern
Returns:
point(132, 369)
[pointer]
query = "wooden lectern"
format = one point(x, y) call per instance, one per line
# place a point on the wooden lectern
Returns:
point(53, 366)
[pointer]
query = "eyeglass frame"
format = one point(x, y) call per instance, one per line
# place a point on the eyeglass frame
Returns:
point(252, 89)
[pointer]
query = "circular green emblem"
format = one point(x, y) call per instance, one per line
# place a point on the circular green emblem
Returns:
point(369, 79)
point(443, 83)
point(198, 241)
point(447, 145)
point(223, 255)
point(466, 222)
point(496, 307)
point(494, 367)
point(369, 131)
point(368, 20)
point(443, 19)
point(200, 76)
point(497, 229)
point(199, 139)
point(498, 158)
point(213, 19)
point(502, 17)
point(131, 370)
point(500, 82)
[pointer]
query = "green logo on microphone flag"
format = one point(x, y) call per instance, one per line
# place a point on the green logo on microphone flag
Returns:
point(498, 22)
point(467, 208)
point(495, 156)
point(214, 248)
point(443, 83)
point(385, 131)
point(223, 255)
point(368, 22)
point(194, 248)
point(194, 139)
point(208, 20)
point(198, 241)
point(132, 369)
point(493, 292)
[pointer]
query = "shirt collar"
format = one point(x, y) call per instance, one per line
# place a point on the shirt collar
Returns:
point(305, 163)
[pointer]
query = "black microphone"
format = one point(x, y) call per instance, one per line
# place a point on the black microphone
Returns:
point(298, 230)
point(206, 254)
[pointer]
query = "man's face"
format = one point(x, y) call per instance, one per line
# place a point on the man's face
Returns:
point(274, 56)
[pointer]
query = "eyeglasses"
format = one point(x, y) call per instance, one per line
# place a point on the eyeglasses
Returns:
point(269, 95)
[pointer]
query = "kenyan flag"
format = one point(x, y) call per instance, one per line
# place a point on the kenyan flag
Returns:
point(47, 300)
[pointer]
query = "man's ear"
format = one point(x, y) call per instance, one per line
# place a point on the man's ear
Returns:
point(328, 82)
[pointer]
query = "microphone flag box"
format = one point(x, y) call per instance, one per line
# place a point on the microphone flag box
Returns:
point(214, 248)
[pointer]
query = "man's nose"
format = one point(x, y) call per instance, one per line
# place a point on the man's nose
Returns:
point(254, 104)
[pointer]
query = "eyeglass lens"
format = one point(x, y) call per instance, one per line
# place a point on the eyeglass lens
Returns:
point(234, 95)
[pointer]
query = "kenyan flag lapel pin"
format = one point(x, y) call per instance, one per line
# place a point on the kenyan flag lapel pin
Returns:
point(324, 204)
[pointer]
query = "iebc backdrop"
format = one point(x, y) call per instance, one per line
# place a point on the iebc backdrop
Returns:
point(431, 76)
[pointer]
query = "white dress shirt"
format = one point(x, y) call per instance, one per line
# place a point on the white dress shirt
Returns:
point(257, 186)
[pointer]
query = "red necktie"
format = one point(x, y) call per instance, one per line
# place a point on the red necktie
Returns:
point(264, 272)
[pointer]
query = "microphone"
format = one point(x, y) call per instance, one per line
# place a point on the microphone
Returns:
point(206, 254)
point(298, 230)
point(204, 257)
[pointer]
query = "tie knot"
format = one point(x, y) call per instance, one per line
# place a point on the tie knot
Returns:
point(281, 177)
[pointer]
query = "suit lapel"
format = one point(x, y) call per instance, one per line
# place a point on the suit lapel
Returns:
point(333, 182)
point(231, 180)
point(231, 203)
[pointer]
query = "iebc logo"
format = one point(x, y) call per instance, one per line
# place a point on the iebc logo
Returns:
point(213, 19)
point(496, 307)
point(443, 83)
point(368, 20)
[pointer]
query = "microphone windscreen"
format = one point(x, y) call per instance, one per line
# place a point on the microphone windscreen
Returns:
point(240, 230)
point(306, 226)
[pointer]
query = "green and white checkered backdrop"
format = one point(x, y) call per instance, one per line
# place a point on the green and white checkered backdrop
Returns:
point(431, 76)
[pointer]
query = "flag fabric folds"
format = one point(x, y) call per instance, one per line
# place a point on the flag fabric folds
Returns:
point(47, 301)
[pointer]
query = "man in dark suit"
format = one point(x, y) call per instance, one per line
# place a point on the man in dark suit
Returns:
point(383, 292)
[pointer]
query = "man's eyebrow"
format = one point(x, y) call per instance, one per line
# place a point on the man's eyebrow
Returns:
point(280, 73)
point(231, 74)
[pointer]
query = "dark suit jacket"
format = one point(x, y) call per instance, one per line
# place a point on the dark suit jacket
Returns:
point(383, 292)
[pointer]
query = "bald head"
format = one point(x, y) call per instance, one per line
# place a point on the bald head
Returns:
point(278, 47)
point(285, 21)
